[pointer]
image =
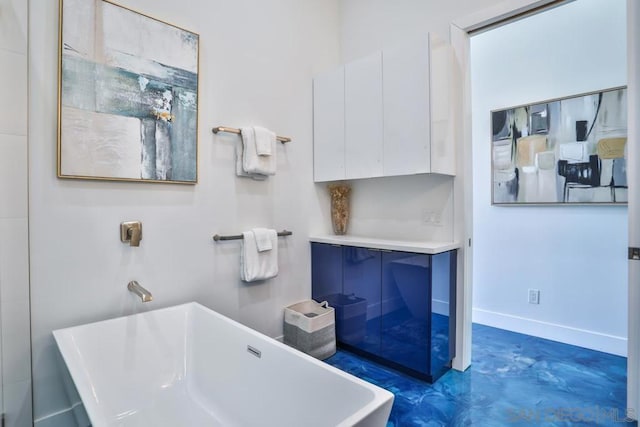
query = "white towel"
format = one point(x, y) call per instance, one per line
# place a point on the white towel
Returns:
point(265, 141)
point(264, 238)
point(240, 169)
point(252, 163)
point(256, 265)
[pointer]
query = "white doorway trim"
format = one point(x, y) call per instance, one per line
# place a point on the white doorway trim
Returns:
point(633, 173)
point(507, 10)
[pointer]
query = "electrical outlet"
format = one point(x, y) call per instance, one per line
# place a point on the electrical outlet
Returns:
point(534, 296)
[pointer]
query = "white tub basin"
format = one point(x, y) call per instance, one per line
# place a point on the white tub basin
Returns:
point(190, 366)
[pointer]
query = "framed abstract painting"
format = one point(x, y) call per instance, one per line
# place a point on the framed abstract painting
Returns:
point(128, 96)
point(564, 151)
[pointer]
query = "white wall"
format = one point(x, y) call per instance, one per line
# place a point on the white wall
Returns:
point(257, 60)
point(575, 255)
point(15, 396)
point(369, 25)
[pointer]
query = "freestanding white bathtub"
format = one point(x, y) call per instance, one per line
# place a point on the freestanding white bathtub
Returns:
point(190, 366)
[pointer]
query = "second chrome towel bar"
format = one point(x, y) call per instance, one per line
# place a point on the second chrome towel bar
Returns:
point(217, 129)
point(218, 237)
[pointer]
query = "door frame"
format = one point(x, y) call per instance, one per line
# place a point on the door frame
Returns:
point(633, 173)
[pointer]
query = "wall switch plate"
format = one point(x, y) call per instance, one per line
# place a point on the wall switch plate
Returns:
point(432, 218)
point(437, 218)
point(428, 217)
point(534, 296)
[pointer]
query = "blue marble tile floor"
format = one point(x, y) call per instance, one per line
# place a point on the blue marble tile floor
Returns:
point(514, 380)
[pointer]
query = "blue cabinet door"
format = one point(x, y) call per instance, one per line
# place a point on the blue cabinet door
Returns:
point(362, 298)
point(326, 271)
point(406, 304)
point(326, 285)
point(443, 311)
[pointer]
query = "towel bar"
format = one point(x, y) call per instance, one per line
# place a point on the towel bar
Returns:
point(217, 129)
point(218, 237)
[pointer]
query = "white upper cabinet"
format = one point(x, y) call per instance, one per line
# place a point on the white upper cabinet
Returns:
point(406, 109)
point(446, 107)
point(363, 117)
point(391, 113)
point(328, 126)
point(418, 108)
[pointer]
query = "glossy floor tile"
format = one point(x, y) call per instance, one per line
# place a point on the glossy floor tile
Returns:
point(514, 380)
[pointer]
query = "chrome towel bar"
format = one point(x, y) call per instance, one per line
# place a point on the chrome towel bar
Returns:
point(217, 129)
point(218, 237)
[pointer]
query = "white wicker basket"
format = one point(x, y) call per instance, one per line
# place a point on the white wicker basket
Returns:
point(311, 327)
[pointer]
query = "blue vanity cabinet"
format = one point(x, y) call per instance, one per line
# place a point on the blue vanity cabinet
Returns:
point(394, 307)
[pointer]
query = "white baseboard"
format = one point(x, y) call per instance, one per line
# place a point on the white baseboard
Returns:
point(551, 331)
point(440, 307)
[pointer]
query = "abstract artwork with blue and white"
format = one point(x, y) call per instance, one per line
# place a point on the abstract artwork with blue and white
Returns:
point(128, 95)
point(564, 151)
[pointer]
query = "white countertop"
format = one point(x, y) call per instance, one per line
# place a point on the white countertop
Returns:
point(424, 247)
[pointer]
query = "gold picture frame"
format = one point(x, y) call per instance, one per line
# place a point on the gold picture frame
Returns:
point(127, 96)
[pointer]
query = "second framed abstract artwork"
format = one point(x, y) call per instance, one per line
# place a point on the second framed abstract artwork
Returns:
point(563, 151)
point(128, 96)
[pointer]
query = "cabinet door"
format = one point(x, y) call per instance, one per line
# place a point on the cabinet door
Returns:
point(363, 117)
point(326, 271)
point(361, 308)
point(445, 106)
point(406, 109)
point(406, 302)
point(443, 311)
point(328, 126)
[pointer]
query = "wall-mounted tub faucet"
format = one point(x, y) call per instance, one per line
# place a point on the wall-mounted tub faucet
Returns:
point(144, 294)
point(131, 232)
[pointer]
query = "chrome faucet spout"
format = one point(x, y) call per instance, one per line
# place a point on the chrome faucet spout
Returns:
point(144, 294)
